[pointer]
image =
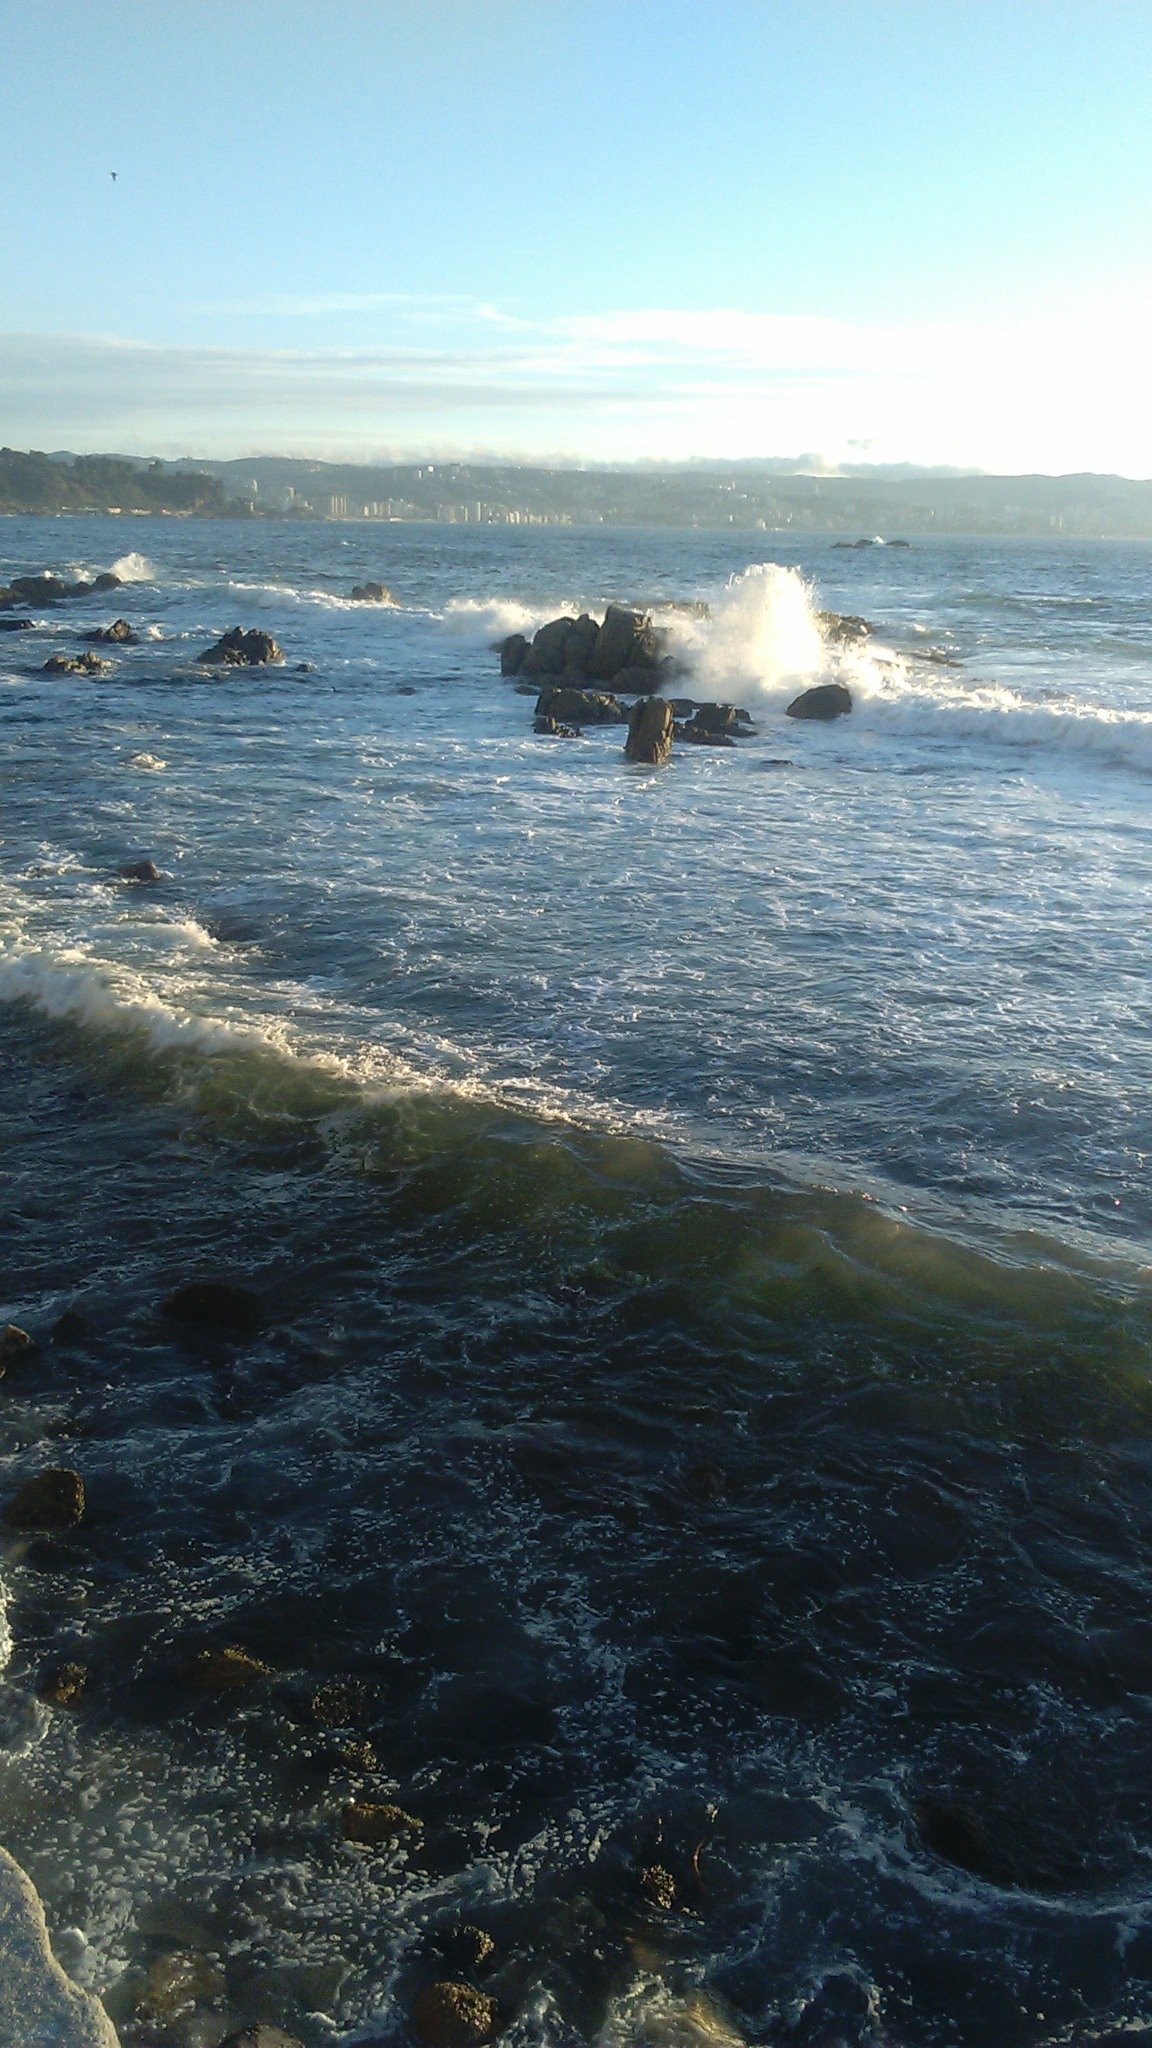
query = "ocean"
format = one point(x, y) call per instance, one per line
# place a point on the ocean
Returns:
point(693, 1456)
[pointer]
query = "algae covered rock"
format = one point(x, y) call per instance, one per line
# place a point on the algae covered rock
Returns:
point(370, 1824)
point(452, 2015)
point(226, 1670)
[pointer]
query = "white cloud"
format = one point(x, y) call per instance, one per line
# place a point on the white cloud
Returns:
point(444, 374)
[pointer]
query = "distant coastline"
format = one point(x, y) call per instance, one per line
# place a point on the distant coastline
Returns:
point(754, 496)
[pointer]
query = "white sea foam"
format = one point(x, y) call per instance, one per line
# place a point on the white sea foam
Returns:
point(147, 763)
point(134, 568)
point(493, 618)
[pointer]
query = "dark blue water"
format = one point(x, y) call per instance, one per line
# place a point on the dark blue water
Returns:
point(700, 1410)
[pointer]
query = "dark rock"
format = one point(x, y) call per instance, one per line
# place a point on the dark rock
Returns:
point(512, 652)
point(617, 643)
point(261, 2037)
point(107, 580)
point(579, 644)
point(715, 718)
point(466, 1948)
point(646, 681)
point(17, 625)
point(216, 1306)
point(337, 1705)
point(843, 626)
point(226, 1670)
point(372, 593)
point(38, 590)
point(53, 1500)
point(240, 649)
point(76, 665)
point(71, 1327)
point(565, 702)
point(550, 728)
point(15, 1344)
point(545, 657)
point(141, 871)
point(369, 1824)
point(827, 700)
point(63, 1686)
point(649, 732)
point(699, 736)
point(451, 2015)
point(118, 634)
point(953, 1831)
point(304, 668)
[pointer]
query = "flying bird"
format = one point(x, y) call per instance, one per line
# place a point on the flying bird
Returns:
point(112, 175)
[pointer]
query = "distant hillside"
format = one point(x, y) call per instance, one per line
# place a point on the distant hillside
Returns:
point(746, 494)
point(103, 483)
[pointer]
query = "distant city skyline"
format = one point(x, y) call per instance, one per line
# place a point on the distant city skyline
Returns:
point(640, 229)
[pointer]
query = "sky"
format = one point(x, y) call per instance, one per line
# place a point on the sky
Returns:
point(849, 230)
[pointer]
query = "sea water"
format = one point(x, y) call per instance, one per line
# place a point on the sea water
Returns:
point(701, 1417)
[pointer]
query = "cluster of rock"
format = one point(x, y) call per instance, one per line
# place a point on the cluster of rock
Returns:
point(118, 634)
point(86, 664)
point(371, 593)
point(41, 590)
point(240, 649)
point(568, 662)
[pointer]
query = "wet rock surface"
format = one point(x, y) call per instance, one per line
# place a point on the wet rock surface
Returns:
point(118, 634)
point(649, 738)
point(49, 589)
point(214, 1307)
point(141, 871)
point(241, 648)
point(52, 1501)
point(87, 664)
point(64, 1685)
point(453, 2015)
point(372, 1824)
point(230, 1669)
point(371, 593)
point(826, 701)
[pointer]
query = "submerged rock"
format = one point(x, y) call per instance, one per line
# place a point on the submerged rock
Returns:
point(843, 626)
point(118, 634)
point(178, 1981)
point(141, 871)
point(225, 1670)
point(240, 649)
point(216, 1306)
point(370, 1824)
point(650, 732)
point(17, 625)
point(261, 2036)
point(54, 1500)
point(825, 701)
point(15, 1344)
point(76, 665)
point(550, 728)
point(467, 1948)
point(371, 593)
point(63, 1686)
point(452, 2015)
point(659, 1887)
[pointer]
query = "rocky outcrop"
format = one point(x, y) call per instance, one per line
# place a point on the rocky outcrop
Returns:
point(626, 640)
point(550, 729)
point(564, 702)
point(17, 625)
point(228, 1670)
point(51, 1502)
point(451, 2015)
point(371, 593)
point(77, 665)
point(370, 1825)
point(240, 649)
point(624, 644)
point(141, 871)
point(844, 627)
point(649, 732)
point(38, 2003)
point(825, 701)
point(513, 653)
point(118, 634)
point(42, 590)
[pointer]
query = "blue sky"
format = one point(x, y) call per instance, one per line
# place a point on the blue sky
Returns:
point(861, 229)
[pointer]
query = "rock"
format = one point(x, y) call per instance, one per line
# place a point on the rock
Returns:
point(141, 871)
point(336, 1705)
point(644, 681)
point(649, 732)
point(715, 718)
point(38, 2003)
point(827, 700)
point(371, 593)
point(659, 1887)
point(71, 1327)
point(107, 580)
point(17, 625)
point(697, 736)
point(545, 657)
point(76, 665)
point(220, 1307)
point(304, 668)
point(467, 1948)
point(63, 1686)
point(578, 646)
point(54, 1500)
point(239, 649)
point(954, 1831)
point(451, 2015)
point(38, 590)
point(226, 1670)
point(15, 1344)
point(580, 707)
point(844, 626)
point(369, 1824)
point(118, 634)
point(261, 2037)
point(176, 1982)
point(512, 652)
point(548, 728)
point(616, 643)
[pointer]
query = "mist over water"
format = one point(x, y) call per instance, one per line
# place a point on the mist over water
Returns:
point(701, 1415)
